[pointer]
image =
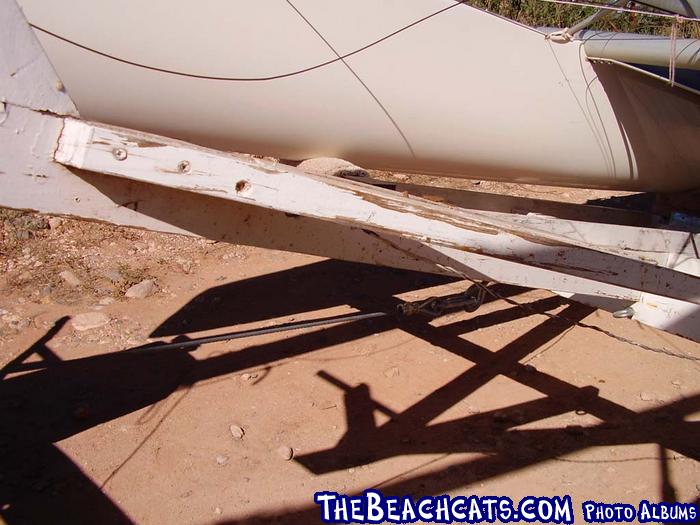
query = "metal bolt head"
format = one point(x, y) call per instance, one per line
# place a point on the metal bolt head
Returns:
point(184, 166)
point(625, 313)
point(119, 153)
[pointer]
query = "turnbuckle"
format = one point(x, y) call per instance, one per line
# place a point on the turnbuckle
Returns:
point(469, 300)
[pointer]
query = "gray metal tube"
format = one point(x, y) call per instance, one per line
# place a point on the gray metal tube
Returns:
point(640, 49)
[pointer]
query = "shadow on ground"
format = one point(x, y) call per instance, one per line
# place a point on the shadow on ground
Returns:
point(45, 402)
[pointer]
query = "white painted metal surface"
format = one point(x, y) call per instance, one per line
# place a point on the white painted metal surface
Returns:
point(26, 76)
point(462, 93)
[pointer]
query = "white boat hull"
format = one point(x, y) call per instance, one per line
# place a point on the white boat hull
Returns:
point(461, 93)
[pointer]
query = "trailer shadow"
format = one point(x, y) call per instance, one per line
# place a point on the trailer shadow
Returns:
point(43, 402)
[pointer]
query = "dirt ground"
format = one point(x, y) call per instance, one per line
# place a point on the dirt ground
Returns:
point(496, 402)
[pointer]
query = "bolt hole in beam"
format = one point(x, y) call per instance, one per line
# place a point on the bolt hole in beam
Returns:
point(119, 153)
point(184, 166)
point(242, 185)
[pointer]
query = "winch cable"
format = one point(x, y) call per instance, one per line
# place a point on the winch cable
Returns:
point(188, 343)
point(468, 301)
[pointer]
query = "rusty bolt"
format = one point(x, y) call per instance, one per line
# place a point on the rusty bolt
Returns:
point(184, 166)
point(119, 153)
point(242, 185)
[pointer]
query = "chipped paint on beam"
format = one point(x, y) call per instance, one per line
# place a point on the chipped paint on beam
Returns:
point(240, 179)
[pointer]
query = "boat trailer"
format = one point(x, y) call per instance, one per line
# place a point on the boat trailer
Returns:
point(52, 161)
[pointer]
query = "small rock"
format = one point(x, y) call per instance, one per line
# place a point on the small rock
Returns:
point(22, 235)
point(89, 320)
point(70, 278)
point(646, 396)
point(15, 322)
point(697, 487)
point(218, 511)
point(676, 383)
point(400, 176)
point(184, 264)
point(221, 459)
point(113, 275)
point(392, 372)
point(31, 221)
point(55, 222)
point(141, 290)
point(286, 453)
point(106, 300)
point(237, 432)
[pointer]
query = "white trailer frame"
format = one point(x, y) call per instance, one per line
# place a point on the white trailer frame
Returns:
point(54, 162)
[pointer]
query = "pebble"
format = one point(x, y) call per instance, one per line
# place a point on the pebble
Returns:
point(106, 300)
point(15, 322)
point(141, 290)
point(89, 320)
point(70, 278)
point(218, 510)
point(237, 432)
point(113, 275)
point(55, 222)
point(392, 372)
point(286, 453)
point(646, 396)
point(221, 459)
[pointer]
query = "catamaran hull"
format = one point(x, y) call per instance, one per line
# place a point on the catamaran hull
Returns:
point(431, 86)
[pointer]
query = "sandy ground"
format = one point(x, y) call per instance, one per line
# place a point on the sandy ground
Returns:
point(496, 402)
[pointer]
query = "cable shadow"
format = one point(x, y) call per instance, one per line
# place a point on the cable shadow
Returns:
point(287, 293)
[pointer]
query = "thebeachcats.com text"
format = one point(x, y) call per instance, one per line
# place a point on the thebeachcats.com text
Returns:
point(374, 507)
